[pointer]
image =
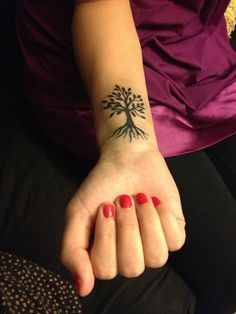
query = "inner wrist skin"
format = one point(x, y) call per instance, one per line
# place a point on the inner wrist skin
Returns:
point(123, 121)
point(104, 61)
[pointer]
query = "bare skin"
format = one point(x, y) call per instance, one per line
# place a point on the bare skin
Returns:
point(135, 238)
point(129, 162)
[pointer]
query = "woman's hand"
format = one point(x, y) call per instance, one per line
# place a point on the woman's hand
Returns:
point(137, 235)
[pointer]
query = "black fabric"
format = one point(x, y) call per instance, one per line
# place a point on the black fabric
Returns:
point(38, 179)
point(206, 181)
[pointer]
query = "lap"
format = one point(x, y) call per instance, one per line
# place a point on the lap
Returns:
point(223, 156)
point(36, 183)
point(155, 291)
point(207, 260)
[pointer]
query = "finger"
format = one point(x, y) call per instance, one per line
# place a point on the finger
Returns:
point(74, 253)
point(153, 239)
point(173, 226)
point(129, 245)
point(103, 252)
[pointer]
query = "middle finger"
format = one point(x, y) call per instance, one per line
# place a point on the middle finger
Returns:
point(129, 244)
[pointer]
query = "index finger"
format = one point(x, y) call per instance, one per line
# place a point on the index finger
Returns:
point(74, 252)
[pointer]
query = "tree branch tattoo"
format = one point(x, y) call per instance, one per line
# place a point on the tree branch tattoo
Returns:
point(123, 101)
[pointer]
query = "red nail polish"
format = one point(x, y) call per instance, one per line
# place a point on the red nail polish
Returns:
point(77, 282)
point(125, 201)
point(108, 210)
point(141, 198)
point(156, 201)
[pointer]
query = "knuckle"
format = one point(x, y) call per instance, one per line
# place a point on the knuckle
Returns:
point(177, 244)
point(104, 274)
point(157, 261)
point(171, 219)
point(127, 224)
point(133, 272)
point(181, 221)
point(107, 233)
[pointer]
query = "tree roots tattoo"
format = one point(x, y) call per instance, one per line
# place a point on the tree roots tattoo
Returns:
point(123, 101)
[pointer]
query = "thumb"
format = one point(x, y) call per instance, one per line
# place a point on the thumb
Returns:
point(74, 253)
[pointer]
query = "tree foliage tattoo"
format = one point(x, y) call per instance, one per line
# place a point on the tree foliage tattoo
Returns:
point(123, 101)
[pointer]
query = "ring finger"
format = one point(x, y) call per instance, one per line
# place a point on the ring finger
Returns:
point(153, 239)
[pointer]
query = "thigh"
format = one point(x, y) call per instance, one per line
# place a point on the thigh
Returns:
point(207, 260)
point(223, 156)
point(36, 183)
point(156, 291)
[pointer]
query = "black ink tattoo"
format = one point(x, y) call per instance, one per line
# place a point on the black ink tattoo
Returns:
point(124, 101)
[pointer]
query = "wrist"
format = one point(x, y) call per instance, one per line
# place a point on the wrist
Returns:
point(124, 122)
point(120, 150)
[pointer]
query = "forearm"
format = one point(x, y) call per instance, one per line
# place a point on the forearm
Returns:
point(108, 54)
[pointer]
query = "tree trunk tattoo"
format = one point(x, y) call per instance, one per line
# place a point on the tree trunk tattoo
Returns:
point(123, 101)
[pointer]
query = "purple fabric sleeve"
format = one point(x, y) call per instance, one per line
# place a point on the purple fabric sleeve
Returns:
point(189, 65)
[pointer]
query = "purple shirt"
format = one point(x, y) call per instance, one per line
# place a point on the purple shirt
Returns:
point(189, 65)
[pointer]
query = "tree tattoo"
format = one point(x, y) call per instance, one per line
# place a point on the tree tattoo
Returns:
point(123, 101)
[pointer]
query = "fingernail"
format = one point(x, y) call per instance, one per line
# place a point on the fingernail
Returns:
point(155, 201)
point(125, 201)
point(108, 210)
point(77, 282)
point(141, 198)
